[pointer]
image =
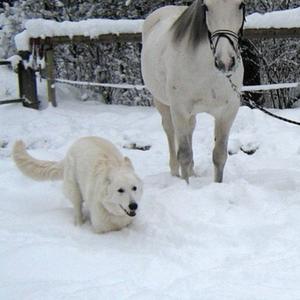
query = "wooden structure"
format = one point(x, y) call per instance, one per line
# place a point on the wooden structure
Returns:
point(270, 33)
point(27, 76)
point(27, 83)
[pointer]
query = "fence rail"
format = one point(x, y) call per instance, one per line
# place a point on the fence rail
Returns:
point(268, 33)
point(103, 38)
point(245, 88)
point(4, 62)
point(249, 33)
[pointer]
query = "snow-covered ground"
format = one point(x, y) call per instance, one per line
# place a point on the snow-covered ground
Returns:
point(239, 240)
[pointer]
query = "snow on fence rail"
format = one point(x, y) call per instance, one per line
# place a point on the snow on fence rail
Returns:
point(284, 23)
point(274, 24)
point(47, 34)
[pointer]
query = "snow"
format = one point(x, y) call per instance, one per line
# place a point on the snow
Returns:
point(22, 41)
point(235, 240)
point(276, 19)
point(91, 28)
point(14, 60)
point(94, 27)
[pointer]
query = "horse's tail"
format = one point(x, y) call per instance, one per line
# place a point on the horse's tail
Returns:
point(39, 170)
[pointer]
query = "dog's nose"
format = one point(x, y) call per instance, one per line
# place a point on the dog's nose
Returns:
point(133, 206)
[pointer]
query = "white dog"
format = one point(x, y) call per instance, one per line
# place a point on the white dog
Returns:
point(94, 172)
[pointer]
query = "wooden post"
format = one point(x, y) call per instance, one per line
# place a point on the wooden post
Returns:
point(50, 76)
point(27, 83)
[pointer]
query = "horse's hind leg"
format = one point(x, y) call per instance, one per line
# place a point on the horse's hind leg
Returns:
point(169, 129)
point(222, 129)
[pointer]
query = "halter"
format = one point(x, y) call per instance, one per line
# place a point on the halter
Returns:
point(230, 35)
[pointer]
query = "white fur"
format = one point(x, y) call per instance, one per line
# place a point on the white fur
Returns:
point(94, 172)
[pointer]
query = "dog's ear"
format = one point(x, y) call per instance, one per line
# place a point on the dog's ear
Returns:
point(128, 163)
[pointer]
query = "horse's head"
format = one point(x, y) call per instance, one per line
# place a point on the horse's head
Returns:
point(221, 21)
point(225, 20)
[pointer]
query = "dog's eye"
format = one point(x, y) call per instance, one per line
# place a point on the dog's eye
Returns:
point(134, 188)
point(121, 190)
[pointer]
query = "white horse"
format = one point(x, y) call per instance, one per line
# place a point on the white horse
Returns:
point(191, 63)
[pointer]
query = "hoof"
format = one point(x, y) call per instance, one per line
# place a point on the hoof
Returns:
point(186, 179)
point(175, 174)
point(78, 221)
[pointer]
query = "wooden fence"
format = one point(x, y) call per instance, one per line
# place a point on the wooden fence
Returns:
point(27, 77)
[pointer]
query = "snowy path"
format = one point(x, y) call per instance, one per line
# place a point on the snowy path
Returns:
point(239, 240)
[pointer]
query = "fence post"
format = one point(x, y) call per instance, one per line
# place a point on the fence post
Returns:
point(50, 76)
point(27, 83)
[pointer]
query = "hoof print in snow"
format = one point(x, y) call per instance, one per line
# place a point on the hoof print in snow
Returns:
point(134, 146)
point(249, 149)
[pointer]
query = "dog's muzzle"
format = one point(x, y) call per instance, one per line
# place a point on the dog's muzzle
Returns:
point(132, 209)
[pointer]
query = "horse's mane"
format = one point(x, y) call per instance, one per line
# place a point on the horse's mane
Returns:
point(191, 23)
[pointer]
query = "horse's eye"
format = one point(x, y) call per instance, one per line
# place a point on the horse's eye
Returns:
point(134, 188)
point(242, 5)
point(121, 191)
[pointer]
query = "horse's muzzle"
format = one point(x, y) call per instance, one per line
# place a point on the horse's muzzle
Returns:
point(225, 66)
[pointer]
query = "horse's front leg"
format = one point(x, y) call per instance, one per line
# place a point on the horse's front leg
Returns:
point(222, 129)
point(184, 125)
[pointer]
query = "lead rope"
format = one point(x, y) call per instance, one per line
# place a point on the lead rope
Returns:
point(254, 105)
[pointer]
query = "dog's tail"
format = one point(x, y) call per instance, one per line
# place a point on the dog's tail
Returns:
point(36, 169)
